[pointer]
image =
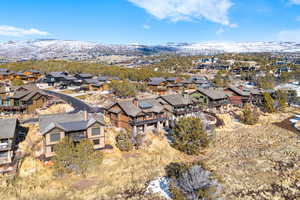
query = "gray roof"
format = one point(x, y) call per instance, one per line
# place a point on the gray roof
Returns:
point(134, 110)
point(46, 120)
point(177, 99)
point(68, 122)
point(156, 80)
point(85, 75)
point(214, 94)
point(8, 127)
point(73, 126)
point(129, 108)
point(239, 91)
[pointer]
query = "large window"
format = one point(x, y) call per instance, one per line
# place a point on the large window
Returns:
point(3, 154)
point(95, 131)
point(54, 137)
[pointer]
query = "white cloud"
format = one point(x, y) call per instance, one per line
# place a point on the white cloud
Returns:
point(220, 31)
point(184, 10)
point(146, 26)
point(19, 32)
point(289, 35)
point(297, 2)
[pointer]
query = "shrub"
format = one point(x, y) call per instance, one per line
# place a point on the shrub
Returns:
point(192, 181)
point(249, 116)
point(282, 98)
point(269, 103)
point(17, 82)
point(71, 158)
point(189, 135)
point(123, 141)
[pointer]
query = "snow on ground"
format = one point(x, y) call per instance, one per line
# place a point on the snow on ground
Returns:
point(159, 186)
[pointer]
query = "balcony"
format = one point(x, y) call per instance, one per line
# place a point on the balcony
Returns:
point(148, 121)
point(12, 108)
point(5, 146)
point(76, 137)
point(187, 111)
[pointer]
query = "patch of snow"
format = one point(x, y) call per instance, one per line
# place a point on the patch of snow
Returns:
point(159, 186)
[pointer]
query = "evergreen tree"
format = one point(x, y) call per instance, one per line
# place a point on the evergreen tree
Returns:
point(189, 135)
point(250, 116)
point(269, 103)
point(282, 98)
point(75, 158)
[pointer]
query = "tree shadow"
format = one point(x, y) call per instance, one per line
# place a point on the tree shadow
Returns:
point(287, 125)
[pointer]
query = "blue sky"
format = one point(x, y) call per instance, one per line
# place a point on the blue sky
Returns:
point(151, 21)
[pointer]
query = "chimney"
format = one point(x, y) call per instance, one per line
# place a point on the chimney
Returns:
point(135, 102)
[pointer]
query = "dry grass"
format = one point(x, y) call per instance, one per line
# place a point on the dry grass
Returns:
point(251, 159)
point(118, 172)
point(57, 108)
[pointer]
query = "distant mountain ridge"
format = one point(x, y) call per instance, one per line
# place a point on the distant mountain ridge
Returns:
point(69, 49)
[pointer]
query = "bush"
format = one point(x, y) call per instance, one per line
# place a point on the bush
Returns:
point(123, 141)
point(269, 103)
point(282, 98)
point(70, 158)
point(189, 135)
point(249, 116)
point(190, 181)
point(17, 82)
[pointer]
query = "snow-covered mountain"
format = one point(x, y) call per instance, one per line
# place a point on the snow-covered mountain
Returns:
point(78, 50)
point(243, 47)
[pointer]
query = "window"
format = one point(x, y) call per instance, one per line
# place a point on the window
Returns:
point(96, 142)
point(51, 148)
point(54, 137)
point(95, 131)
point(4, 154)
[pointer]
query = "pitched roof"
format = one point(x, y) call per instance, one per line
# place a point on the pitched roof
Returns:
point(239, 91)
point(143, 106)
point(214, 94)
point(85, 75)
point(156, 80)
point(129, 108)
point(8, 127)
point(68, 122)
point(46, 120)
point(177, 99)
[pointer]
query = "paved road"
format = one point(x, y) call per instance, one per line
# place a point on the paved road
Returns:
point(77, 104)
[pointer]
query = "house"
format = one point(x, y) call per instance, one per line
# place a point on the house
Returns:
point(20, 76)
point(211, 97)
point(81, 76)
point(157, 85)
point(179, 105)
point(24, 99)
point(95, 85)
point(53, 78)
point(194, 82)
point(32, 75)
point(77, 126)
point(139, 116)
point(6, 74)
point(238, 96)
point(8, 140)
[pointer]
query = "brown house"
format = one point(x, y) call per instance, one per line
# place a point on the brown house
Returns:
point(180, 105)
point(77, 126)
point(138, 115)
point(21, 99)
point(158, 85)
